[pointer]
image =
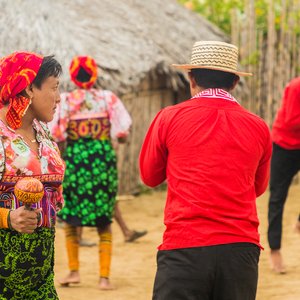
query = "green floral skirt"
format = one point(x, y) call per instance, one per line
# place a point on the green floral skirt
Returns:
point(26, 265)
point(90, 184)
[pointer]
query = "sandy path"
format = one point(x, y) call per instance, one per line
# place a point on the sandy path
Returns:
point(133, 266)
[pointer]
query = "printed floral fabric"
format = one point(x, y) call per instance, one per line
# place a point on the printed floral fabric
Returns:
point(17, 160)
point(90, 104)
point(26, 260)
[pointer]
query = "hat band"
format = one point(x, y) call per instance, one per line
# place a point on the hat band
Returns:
point(214, 64)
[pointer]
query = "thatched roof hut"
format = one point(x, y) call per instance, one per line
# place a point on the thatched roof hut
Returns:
point(133, 41)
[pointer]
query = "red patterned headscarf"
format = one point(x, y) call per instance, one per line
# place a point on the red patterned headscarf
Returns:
point(89, 65)
point(17, 71)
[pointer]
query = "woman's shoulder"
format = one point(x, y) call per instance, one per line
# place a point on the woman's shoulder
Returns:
point(5, 131)
point(102, 95)
point(74, 95)
point(110, 96)
point(82, 93)
point(3, 127)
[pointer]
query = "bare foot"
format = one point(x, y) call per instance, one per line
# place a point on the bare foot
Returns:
point(72, 278)
point(105, 284)
point(276, 262)
point(297, 227)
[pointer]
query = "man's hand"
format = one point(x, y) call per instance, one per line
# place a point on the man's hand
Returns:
point(24, 221)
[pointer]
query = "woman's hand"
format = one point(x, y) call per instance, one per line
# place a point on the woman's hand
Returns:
point(122, 139)
point(23, 220)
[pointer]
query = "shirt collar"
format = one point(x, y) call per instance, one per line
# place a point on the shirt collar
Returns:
point(216, 93)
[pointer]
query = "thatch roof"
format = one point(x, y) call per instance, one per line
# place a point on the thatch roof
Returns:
point(128, 38)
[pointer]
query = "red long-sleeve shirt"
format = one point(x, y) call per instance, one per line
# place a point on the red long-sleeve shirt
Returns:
point(215, 156)
point(286, 127)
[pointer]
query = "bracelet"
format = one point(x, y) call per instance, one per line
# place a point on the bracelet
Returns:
point(8, 221)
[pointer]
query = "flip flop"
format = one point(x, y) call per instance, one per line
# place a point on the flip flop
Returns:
point(67, 283)
point(136, 235)
point(86, 243)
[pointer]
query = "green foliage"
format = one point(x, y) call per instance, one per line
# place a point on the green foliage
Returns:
point(252, 59)
point(219, 11)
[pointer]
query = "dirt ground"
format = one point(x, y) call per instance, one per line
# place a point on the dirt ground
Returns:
point(133, 264)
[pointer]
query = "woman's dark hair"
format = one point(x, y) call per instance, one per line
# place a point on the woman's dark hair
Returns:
point(206, 78)
point(83, 75)
point(49, 67)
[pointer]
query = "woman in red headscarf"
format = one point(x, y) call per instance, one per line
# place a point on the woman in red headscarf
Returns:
point(28, 99)
point(88, 119)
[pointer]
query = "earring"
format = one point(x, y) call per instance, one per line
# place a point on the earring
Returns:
point(28, 104)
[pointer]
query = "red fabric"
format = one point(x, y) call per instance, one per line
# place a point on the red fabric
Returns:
point(16, 110)
point(215, 156)
point(286, 127)
point(17, 71)
point(89, 65)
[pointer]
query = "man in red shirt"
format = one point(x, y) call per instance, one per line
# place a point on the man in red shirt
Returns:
point(215, 156)
point(284, 166)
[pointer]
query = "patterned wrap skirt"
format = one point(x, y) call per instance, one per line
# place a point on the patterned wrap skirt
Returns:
point(26, 265)
point(91, 183)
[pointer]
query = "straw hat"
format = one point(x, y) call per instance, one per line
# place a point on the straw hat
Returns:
point(214, 55)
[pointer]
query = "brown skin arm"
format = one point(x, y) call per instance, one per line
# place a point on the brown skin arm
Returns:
point(62, 147)
point(122, 140)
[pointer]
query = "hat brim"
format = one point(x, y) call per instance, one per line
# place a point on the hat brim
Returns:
point(189, 67)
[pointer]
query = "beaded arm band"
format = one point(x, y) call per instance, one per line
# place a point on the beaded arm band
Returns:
point(4, 217)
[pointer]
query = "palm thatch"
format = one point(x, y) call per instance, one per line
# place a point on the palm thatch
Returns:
point(134, 43)
point(128, 38)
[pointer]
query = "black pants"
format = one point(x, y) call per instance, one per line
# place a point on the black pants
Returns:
point(223, 272)
point(284, 166)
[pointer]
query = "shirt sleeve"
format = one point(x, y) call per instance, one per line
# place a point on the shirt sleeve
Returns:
point(119, 117)
point(262, 175)
point(154, 153)
point(291, 101)
point(58, 126)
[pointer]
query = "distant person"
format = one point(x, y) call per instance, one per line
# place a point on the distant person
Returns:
point(88, 119)
point(284, 166)
point(215, 156)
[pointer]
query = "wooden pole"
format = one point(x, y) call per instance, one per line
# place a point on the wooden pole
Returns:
point(270, 61)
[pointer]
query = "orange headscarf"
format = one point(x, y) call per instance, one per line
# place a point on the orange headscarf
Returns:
point(17, 71)
point(89, 65)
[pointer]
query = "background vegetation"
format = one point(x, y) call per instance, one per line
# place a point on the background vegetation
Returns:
point(268, 35)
